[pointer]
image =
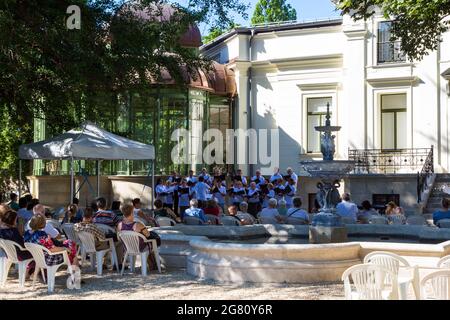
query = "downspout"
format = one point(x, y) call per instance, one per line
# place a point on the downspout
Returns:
point(250, 121)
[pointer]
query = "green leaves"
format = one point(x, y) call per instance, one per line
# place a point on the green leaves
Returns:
point(64, 75)
point(267, 11)
point(418, 24)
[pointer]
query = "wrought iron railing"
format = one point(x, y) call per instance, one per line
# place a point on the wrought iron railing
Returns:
point(423, 177)
point(377, 161)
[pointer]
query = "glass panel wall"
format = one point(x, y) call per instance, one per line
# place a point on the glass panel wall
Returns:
point(149, 116)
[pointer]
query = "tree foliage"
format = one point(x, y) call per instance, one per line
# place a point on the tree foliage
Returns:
point(48, 70)
point(267, 11)
point(418, 24)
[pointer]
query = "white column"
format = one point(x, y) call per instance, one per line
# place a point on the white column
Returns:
point(352, 113)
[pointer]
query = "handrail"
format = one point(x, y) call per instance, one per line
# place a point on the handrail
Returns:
point(382, 161)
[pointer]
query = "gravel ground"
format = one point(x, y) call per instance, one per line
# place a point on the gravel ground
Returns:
point(169, 285)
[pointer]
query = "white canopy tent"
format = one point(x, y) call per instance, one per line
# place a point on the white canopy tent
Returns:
point(89, 143)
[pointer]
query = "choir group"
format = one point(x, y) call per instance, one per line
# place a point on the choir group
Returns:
point(177, 191)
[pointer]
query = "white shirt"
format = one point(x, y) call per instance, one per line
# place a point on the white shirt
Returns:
point(270, 195)
point(294, 177)
point(220, 195)
point(201, 189)
point(259, 180)
point(347, 209)
point(268, 215)
point(238, 198)
point(250, 195)
point(297, 213)
point(169, 197)
point(276, 176)
point(288, 197)
point(161, 189)
point(183, 198)
point(49, 229)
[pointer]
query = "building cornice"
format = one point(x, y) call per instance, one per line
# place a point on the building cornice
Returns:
point(320, 60)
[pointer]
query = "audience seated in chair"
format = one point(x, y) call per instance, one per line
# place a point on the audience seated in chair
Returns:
point(128, 224)
point(195, 211)
point(296, 215)
point(245, 217)
point(9, 231)
point(366, 212)
point(37, 235)
point(87, 225)
point(444, 213)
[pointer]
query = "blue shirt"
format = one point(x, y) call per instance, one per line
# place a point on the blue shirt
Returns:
point(196, 212)
point(276, 176)
point(347, 209)
point(439, 215)
point(201, 189)
point(25, 214)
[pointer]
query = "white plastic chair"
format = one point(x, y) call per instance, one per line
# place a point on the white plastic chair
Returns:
point(192, 220)
point(37, 251)
point(165, 222)
point(393, 262)
point(106, 229)
point(69, 230)
point(436, 285)
point(444, 262)
point(296, 221)
point(444, 223)
point(140, 220)
point(11, 258)
point(369, 283)
point(347, 220)
point(88, 243)
point(212, 219)
point(131, 242)
point(55, 224)
point(416, 220)
point(229, 221)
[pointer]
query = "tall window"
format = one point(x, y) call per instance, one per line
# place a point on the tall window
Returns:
point(388, 51)
point(317, 110)
point(393, 122)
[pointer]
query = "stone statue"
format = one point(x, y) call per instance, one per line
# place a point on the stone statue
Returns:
point(328, 195)
point(327, 146)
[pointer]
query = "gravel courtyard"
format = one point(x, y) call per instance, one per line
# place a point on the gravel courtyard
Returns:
point(168, 285)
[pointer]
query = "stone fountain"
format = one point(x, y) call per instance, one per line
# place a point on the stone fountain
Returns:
point(327, 226)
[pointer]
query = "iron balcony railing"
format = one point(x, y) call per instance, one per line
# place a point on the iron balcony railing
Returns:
point(377, 161)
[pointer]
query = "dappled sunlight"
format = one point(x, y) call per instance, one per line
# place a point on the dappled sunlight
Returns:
point(168, 285)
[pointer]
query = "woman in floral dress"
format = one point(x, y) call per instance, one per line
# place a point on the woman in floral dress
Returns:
point(38, 236)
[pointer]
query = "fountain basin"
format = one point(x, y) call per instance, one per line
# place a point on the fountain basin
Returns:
point(230, 262)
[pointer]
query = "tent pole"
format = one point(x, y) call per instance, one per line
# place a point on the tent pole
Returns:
point(20, 178)
point(153, 183)
point(71, 181)
point(98, 179)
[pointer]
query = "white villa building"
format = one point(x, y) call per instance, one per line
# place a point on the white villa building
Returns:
point(394, 113)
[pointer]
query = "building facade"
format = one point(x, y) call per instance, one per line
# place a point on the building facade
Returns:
point(394, 113)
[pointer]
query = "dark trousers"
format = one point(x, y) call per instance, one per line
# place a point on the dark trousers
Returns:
point(182, 209)
point(254, 208)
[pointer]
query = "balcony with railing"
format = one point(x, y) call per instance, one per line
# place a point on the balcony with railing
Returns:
point(405, 161)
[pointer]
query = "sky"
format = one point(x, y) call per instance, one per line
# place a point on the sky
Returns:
point(306, 10)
